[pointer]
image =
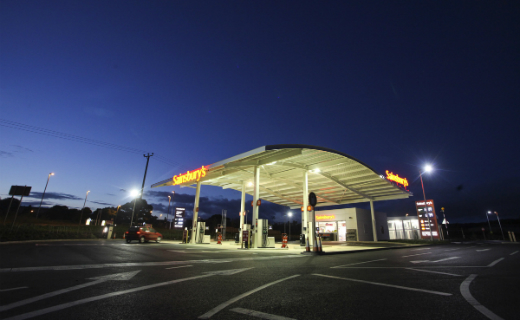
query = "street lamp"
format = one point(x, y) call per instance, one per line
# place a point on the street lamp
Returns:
point(428, 168)
point(489, 223)
point(134, 194)
point(81, 214)
point(168, 215)
point(37, 212)
point(503, 238)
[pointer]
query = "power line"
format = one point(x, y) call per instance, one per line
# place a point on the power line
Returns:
point(75, 138)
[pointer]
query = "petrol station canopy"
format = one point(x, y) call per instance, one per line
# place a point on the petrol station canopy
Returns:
point(336, 178)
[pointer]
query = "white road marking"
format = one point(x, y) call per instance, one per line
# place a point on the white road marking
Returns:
point(114, 294)
point(495, 262)
point(218, 308)
point(513, 253)
point(453, 249)
point(445, 259)
point(142, 264)
point(483, 250)
point(385, 285)
point(18, 288)
point(259, 314)
point(351, 264)
point(179, 267)
point(449, 274)
point(117, 276)
point(464, 290)
point(421, 249)
point(417, 254)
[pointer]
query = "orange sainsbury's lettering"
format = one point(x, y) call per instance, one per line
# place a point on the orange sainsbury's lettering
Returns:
point(396, 178)
point(324, 217)
point(190, 176)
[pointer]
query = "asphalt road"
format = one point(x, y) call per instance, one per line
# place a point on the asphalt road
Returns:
point(114, 280)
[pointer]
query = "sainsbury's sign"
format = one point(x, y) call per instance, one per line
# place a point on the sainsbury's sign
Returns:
point(396, 178)
point(325, 217)
point(194, 175)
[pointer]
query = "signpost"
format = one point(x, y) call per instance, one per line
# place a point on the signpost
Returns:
point(179, 218)
point(427, 219)
point(17, 191)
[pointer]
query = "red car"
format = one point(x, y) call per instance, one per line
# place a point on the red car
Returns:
point(142, 234)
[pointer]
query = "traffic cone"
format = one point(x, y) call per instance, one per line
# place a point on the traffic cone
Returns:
point(319, 245)
point(123, 235)
point(315, 246)
point(307, 248)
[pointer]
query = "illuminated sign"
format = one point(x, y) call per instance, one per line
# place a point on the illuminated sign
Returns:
point(190, 176)
point(179, 218)
point(396, 178)
point(425, 209)
point(325, 217)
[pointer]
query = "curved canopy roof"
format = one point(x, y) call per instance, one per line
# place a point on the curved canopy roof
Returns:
point(336, 178)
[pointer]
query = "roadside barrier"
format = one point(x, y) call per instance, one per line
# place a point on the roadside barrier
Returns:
point(219, 238)
point(284, 241)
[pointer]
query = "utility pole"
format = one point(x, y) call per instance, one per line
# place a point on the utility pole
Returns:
point(145, 170)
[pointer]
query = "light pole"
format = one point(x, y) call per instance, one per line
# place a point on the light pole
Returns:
point(489, 223)
point(81, 214)
point(168, 214)
point(427, 168)
point(170, 223)
point(290, 216)
point(134, 194)
point(503, 238)
point(37, 212)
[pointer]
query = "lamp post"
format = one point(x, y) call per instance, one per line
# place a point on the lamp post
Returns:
point(489, 223)
point(81, 214)
point(134, 194)
point(168, 214)
point(37, 212)
point(503, 238)
point(427, 168)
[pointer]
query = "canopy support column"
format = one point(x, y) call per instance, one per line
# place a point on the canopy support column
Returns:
point(195, 213)
point(256, 197)
point(242, 211)
point(305, 213)
point(374, 230)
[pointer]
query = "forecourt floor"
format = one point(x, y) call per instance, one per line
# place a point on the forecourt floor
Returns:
point(115, 280)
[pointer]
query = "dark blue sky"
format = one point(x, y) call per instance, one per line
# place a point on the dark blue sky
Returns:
point(394, 84)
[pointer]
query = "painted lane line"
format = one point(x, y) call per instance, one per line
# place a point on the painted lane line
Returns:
point(417, 254)
point(495, 262)
point(352, 264)
point(259, 314)
point(483, 250)
point(118, 293)
point(421, 249)
point(464, 290)
point(18, 288)
point(179, 267)
point(453, 249)
point(513, 253)
point(218, 308)
point(446, 259)
point(449, 274)
point(385, 285)
point(143, 264)
point(116, 276)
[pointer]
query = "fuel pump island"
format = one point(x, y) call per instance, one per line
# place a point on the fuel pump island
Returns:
point(291, 175)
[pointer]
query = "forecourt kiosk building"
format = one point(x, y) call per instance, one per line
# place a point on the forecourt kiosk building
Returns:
point(286, 174)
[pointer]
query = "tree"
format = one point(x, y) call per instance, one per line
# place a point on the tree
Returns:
point(143, 213)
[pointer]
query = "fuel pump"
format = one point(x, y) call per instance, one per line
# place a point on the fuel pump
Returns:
point(262, 233)
point(201, 229)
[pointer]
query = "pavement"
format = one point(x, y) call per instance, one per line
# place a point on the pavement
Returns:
point(328, 247)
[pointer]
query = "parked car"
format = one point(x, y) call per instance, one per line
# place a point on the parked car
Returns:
point(142, 234)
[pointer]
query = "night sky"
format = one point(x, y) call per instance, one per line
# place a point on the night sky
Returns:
point(88, 87)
